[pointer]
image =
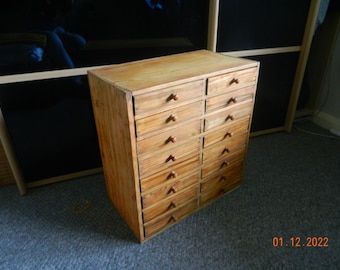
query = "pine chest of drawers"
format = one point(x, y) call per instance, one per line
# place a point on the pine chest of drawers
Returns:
point(173, 133)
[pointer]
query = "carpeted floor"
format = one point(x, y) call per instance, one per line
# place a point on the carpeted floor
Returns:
point(290, 189)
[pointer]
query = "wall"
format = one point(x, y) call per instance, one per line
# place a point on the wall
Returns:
point(328, 102)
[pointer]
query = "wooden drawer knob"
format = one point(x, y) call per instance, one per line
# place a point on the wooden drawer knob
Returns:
point(173, 97)
point(225, 163)
point(234, 80)
point(230, 117)
point(223, 178)
point(171, 139)
point(228, 134)
point(232, 100)
point(173, 218)
point(173, 174)
point(173, 204)
point(226, 150)
point(173, 190)
point(171, 158)
point(172, 117)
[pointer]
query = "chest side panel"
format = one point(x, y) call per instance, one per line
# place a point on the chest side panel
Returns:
point(115, 127)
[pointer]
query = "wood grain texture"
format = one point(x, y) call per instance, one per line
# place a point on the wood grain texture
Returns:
point(114, 123)
point(222, 163)
point(227, 133)
point(226, 148)
point(169, 190)
point(225, 117)
point(169, 139)
point(166, 71)
point(176, 172)
point(170, 203)
point(169, 118)
point(171, 218)
point(230, 99)
point(232, 81)
point(161, 161)
point(173, 133)
point(171, 97)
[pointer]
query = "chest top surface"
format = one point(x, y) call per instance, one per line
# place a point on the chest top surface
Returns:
point(166, 70)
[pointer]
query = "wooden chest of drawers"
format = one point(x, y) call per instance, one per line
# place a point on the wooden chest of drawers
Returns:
point(173, 133)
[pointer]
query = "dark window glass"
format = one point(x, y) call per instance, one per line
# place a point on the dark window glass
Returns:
point(51, 126)
point(75, 33)
point(249, 24)
point(276, 77)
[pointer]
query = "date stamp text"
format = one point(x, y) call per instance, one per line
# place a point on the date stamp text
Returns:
point(296, 241)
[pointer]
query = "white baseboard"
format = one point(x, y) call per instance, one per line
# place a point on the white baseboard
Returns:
point(327, 121)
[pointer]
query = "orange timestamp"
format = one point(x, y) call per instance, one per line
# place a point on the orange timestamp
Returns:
point(296, 241)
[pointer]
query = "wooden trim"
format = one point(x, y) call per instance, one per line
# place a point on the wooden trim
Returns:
point(213, 25)
point(63, 73)
point(266, 131)
point(10, 155)
point(305, 48)
point(63, 177)
point(263, 51)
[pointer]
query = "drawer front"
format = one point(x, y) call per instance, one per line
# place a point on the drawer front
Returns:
point(225, 149)
point(175, 173)
point(232, 81)
point(220, 180)
point(169, 139)
point(167, 98)
point(161, 223)
point(221, 165)
point(169, 118)
point(169, 190)
point(167, 159)
point(244, 95)
point(227, 133)
point(227, 116)
point(219, 190)
point(170, 204)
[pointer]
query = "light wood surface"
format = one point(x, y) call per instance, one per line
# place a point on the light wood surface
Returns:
point(115, 127)
point(303, 58)
point(170, 128)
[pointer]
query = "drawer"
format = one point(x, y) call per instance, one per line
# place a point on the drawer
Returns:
point(232, 81)
point(169, 190)
point(229, 99)
point(169, 139)
point(167, 159)
point(170, 204)
point(226, 148)
point(219, 190)
point(227, 116)
point(167, 98)
point(166, 220)
point(176, 172)
point(230, 175)
point(227, 133)
point(220, 165)
point(169, 118)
